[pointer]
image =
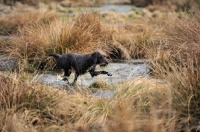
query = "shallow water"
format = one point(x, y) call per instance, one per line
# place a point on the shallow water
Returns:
point(115, 8)
point(106, 8)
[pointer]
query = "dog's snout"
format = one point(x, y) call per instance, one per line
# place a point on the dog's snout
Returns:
point(104, 62)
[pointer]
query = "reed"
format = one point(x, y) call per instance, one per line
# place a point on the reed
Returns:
point(177, 60)
point(26, 105)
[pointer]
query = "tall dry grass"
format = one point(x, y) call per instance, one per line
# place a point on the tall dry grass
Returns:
point(9, 23)
point(144, 104)
point(26, 105)
point(132, 40)
point(176, 59)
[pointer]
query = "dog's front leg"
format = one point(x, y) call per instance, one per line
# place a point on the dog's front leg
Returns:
point(96, 73)
point(105, 72)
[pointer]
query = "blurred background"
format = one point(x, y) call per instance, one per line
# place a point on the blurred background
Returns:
point(176, 4)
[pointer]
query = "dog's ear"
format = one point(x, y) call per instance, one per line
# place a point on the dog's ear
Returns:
point(94, 56)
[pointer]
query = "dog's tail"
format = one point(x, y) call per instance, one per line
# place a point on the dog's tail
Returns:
point(54, 55)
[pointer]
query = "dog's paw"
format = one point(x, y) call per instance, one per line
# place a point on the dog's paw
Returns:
point(104, 72)
point(109, 74)
point(65, 79)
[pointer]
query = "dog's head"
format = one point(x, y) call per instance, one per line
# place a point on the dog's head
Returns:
point(99, 58)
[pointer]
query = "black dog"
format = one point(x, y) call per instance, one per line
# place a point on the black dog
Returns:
point(81, 63)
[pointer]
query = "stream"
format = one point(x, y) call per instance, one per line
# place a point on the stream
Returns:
point(122, 70)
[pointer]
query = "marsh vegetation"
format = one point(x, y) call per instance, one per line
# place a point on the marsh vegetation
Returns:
point(167, 35)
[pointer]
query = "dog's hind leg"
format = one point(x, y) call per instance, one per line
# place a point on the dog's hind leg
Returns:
point(75, 78)
point(66, 74)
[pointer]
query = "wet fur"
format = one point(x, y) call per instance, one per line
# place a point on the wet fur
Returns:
point(81, 63)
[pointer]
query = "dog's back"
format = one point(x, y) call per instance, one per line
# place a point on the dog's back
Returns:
point(79, 62)
point(63, 61)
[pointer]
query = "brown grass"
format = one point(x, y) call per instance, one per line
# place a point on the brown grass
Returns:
point(34, 107)
point(85, 33)
point(176, 59)
point(9, 23)
point(23, 104)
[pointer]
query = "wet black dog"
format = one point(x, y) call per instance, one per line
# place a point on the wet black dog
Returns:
point(81, 63)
